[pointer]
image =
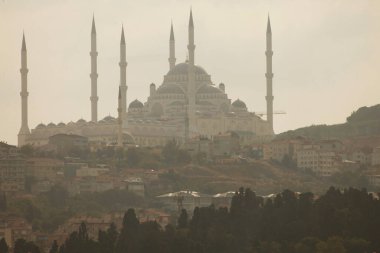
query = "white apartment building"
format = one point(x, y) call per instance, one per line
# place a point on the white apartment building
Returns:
point(323, 163)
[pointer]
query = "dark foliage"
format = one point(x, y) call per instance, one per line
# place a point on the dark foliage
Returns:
point(365, 113)
point(3, 246)
point(339, 221)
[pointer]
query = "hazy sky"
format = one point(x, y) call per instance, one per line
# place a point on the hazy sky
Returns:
point(326, 60)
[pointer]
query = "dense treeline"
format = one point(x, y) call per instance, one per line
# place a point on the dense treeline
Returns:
point(339, 221)
point(50, 209)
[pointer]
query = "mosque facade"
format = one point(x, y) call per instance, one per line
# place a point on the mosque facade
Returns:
point(185, 106)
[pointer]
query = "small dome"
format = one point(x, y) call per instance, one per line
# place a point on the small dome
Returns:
point(169, 89)
point(51, 124)
point(61, 124)
point(182, 69)
point(208, 89)
point(41, 125)
point(81, 121)
point(152, 85)
point(222, 87)
point(109, 118)
point(136, 104)
point(239, 104)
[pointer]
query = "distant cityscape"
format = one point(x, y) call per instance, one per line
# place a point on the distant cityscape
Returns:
point(188, 169)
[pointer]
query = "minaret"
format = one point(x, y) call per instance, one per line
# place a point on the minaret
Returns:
point(269, 76)
point(24, 131)
point(191, 78)
point(123, 79)
point(172, 58)
point(120, 120)
point(191, 45)
point(94, 75)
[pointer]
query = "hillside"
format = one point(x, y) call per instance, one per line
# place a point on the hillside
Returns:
point(261, 176)
point(363, 122)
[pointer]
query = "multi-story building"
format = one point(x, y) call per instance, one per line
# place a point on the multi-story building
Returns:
point(45, 169)
point(12, 174)
point(376, 156)
point(89, 185)
point(135, 185)
point(374, 179)
point(362, 156)
point(66, 143)
point(225, 144)
point(321, 162)
point(278, 149)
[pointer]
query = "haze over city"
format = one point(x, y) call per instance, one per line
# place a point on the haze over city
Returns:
point(325, 61)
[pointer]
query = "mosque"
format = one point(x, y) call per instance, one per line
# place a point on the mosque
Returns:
point(185, 106)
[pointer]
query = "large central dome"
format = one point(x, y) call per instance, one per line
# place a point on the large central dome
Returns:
point(182, 69)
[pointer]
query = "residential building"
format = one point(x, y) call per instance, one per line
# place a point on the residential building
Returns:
point(135, 185)
point(321, 162)
point(376, 156)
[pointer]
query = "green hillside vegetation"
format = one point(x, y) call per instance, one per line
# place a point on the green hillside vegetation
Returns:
point(363, 122)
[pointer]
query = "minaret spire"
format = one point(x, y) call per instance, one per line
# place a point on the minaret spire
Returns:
point(120, 120)
point(93, 28)
point(94, 74)
point(269, 75)
point(191, 121)
point(24, 130)
point(123, 78)
point(191, 45)
point(172, 58)
point(23, 47)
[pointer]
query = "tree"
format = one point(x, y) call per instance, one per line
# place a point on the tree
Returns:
point(133, 158)
point(170, 152)
point(269, 247)
point(183, 157)
point(107, 239)
point(27, 150)
point(128, 241)
point(3, 202)
point(307, 245)
point(22, 246)
point(57, 196)
point(332, 245)
point(182, 220)
point(3, 246)
point(54, 247)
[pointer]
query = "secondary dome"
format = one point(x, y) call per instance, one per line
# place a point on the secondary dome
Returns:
point(41, 125)
point(169, 89)
point(81, 121)
point(182, 69)
point(207, 89)
point(239, 104)
point(108, 119)
point(136, 104)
